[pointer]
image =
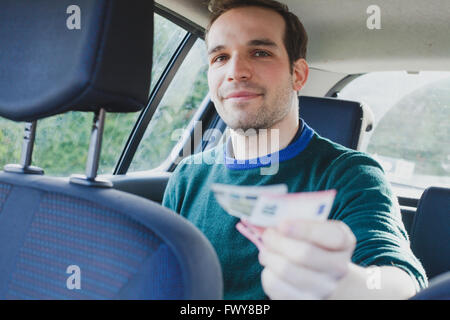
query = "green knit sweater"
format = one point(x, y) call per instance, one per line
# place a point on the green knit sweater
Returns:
point(310, 163)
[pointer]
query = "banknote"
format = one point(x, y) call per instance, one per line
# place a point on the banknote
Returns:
point(270, 209)
point(266, 205)
point(239, 201)
point(251, 232)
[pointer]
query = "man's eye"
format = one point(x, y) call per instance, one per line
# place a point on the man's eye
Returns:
point(261, 53)
point(220, 58)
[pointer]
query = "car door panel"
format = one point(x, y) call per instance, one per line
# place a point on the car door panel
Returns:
point(151, 186)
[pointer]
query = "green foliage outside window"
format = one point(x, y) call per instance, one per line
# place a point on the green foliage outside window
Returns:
point(183, 97)
point(411, 135)
point(417, 129)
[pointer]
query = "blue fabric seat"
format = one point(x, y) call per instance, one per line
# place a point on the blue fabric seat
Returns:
point(430, 233)
point(126, 247)
point(341, 121)
point(79, 238)
point(438, 289)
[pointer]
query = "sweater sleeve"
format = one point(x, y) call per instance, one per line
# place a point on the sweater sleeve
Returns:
point(365, 202)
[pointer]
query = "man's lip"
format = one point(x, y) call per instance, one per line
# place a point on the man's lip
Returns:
point(242, 95)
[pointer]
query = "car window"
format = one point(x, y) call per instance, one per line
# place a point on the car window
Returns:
point(11, 134)
point(167, 38)
point(411, 136)
point(65, 153)
point(176, 110)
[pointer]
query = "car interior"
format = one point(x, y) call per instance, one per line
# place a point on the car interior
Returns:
point(137, 66)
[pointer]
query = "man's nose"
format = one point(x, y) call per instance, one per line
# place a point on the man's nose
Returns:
point(239, 69)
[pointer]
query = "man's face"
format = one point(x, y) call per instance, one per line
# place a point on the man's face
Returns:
point(249, 74)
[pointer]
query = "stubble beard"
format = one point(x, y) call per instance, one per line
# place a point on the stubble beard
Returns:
point(267, 115)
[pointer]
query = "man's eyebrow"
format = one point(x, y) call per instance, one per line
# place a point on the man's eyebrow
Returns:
point(262, 42)
point(215, 49)
point(251, 43)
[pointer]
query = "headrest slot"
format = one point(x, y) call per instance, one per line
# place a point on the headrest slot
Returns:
point(25, 166)
point(95, 146)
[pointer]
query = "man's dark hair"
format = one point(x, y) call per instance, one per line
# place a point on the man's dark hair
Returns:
point(295, 37)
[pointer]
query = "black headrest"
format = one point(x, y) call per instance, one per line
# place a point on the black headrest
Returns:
point(62, 55)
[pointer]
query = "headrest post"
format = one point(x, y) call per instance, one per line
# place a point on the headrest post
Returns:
point(25, 166)
point(93, 158)
point(28, 143)
point(95, 145)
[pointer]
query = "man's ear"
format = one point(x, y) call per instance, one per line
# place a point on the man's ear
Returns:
point(299, 74)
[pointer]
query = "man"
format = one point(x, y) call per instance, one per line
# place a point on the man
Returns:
point(256, 51)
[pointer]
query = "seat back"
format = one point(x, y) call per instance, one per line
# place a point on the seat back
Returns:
point(79, 238)
point(66, 241)
point(341, 121)
point(438, 289)
point(430, 234)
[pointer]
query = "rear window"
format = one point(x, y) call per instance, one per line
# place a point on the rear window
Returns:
point(411, 136)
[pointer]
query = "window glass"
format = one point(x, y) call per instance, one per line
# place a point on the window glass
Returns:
point(167, 38)
point(62, 141)
point(11, 134)
point(177, 108)
point(411, 136)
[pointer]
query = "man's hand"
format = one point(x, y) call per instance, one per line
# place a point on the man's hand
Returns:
point(305, 259)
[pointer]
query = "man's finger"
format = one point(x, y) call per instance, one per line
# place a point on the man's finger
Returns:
point(278, 289)
point(319, 284)
point(307, 254)
point(329, 234)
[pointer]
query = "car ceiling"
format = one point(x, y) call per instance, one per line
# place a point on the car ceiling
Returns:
point(414, 34)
